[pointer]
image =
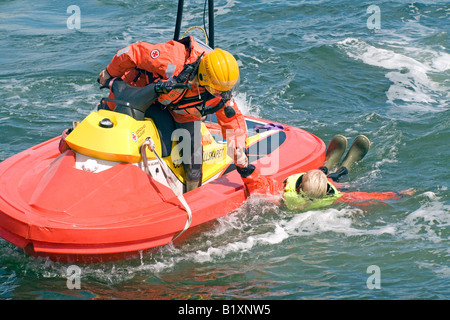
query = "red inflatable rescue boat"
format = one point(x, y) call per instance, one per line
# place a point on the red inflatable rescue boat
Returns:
point(89, 204)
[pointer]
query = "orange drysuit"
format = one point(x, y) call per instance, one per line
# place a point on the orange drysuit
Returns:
point(142, 63)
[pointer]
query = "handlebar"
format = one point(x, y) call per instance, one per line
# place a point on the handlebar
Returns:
point(175, 86)
point(182, 86)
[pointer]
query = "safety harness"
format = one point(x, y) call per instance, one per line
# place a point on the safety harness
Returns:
point(179, 102)
point(196, 101)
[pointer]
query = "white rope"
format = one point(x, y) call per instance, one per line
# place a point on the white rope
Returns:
point(170, 177)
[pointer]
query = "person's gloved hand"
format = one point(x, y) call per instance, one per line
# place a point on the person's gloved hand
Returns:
point(246, 171)
point(256, 183)
point(240, 158)
point(164, 87)
point(103, 76)
point(335, 176)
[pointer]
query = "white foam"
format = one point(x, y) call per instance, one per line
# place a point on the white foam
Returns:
point(411, 82)
point(225, 9)
point(331, 220)
point(374, 56)
point(442, 62)
point(426, 222)
point(286, 226)
point(245, 106)
point(429, 220)
point(211, 253)
point(84, 87)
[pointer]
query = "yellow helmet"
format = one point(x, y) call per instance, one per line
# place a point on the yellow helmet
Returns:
point(218, 71)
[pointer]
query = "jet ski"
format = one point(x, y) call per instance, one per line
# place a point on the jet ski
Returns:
point(112, 186)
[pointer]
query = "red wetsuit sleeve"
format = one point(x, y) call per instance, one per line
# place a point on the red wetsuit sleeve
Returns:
point(256, 183)
point(163, 59)
point(234, 129)
point(366, 196)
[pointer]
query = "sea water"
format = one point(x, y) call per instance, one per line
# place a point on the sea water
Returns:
point(379, 68)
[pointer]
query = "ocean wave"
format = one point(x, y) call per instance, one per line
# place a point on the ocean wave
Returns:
point(413, 77)
point(429, 222)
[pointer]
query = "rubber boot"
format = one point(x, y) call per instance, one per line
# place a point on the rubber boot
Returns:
point(357, 151)
point(335, 150)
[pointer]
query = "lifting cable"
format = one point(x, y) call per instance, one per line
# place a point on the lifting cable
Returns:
point(197, 27)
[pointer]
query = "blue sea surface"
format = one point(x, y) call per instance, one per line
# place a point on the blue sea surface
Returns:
point(330, 67)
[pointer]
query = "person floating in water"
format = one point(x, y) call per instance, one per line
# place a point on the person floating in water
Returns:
point(313, 189)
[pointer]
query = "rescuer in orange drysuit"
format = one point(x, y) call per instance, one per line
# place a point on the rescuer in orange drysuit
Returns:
point(214, 78)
